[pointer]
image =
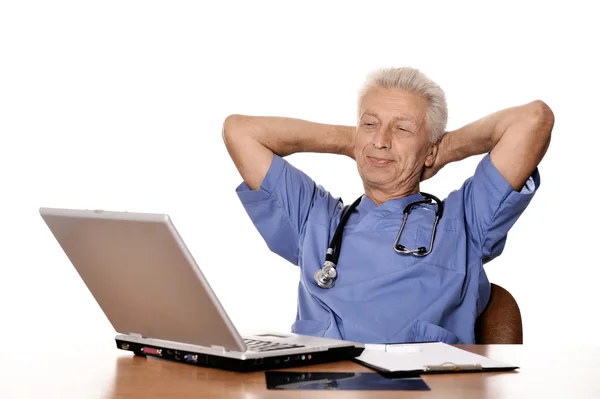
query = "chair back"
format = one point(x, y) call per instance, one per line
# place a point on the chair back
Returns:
point(500, 322)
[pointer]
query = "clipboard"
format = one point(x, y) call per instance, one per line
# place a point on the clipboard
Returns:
point(426, 358)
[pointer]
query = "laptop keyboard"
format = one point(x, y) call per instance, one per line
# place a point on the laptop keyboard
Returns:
point(264, 346)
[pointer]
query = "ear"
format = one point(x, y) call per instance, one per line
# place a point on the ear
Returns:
point(431, 154)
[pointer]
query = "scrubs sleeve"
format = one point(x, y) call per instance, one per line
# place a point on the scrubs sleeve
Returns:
point(492, 207)
point(280, 207)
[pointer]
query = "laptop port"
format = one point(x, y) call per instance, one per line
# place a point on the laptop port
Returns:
point(191, 358)
point(152, 351)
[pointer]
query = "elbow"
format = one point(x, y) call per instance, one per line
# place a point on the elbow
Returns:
point(232, 126)
point(541, 117)
point(542, 111)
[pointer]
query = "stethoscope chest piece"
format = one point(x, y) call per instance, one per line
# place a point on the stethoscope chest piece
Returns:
point(325, 277)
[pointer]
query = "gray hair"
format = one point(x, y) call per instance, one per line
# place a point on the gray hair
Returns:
point(417, 82)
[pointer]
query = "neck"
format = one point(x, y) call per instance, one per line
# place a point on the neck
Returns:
point(379, 196)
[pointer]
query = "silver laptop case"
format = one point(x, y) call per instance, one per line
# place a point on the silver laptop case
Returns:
point(149, 286)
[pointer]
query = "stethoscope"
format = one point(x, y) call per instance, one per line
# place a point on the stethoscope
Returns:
point(326, 276)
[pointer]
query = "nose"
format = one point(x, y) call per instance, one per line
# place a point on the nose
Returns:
point(382, 139)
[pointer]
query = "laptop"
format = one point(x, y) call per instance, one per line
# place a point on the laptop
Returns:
point(159, 302)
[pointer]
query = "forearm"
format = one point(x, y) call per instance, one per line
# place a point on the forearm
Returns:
point(517, 138)
point(252, 140)
point(286, 136)
point(478, 137)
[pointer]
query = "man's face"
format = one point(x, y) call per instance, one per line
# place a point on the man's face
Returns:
point(391, 144)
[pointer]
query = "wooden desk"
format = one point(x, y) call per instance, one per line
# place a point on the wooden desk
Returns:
point(561, 371)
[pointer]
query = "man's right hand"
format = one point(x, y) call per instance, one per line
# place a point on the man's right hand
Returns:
point(252, 140)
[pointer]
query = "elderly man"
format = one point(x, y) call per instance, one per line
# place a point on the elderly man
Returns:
point(388, 285)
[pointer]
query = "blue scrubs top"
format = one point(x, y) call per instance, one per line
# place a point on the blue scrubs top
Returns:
point(381, 296)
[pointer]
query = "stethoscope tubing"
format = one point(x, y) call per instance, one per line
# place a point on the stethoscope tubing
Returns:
point(327, 275)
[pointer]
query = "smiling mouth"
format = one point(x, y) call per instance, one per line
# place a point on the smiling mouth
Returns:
point(379, 161)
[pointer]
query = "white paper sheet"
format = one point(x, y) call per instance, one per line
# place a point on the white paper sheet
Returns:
point(411, 357)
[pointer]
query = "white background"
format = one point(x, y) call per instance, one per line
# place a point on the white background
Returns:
point(119, 105)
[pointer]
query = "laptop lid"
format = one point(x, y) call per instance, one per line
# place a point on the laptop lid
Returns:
point(142, 275)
